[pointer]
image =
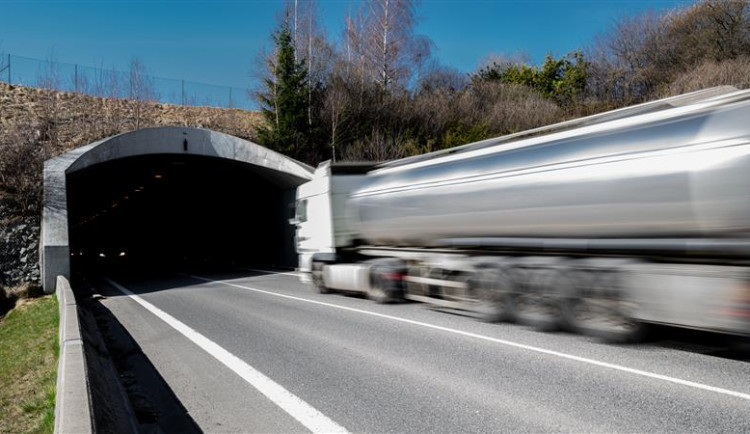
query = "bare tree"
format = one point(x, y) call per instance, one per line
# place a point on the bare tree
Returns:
point(22, 154)
point(642, 54)
point(336, 107)
point(141, 88)
point(383, 37)
point(310, 46)
point(734, 72)
point(80, 82)
point(48, 76)
point(49, 80)
point(446, 78)
point(366, 101)
point(4, 64)
point(624, 61)
point(108, 85)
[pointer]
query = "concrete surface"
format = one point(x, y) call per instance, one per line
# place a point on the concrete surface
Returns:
point(72, 403)
point(54, 246)
point(370, 373)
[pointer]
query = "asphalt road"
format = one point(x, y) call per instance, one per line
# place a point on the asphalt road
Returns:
point(253, 352)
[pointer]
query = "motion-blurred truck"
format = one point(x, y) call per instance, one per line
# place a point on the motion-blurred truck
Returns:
point(599, 225)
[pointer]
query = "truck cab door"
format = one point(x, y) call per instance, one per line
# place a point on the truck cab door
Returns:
point(313, 228)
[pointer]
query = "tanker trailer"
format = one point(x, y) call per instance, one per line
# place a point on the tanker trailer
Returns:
point(599, 225)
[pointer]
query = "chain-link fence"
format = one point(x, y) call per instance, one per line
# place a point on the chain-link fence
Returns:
point(131, 84)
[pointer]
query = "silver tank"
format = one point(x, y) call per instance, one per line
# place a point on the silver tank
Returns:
point(677, 170)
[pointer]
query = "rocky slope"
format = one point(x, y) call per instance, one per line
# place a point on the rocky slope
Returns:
point(19, 247)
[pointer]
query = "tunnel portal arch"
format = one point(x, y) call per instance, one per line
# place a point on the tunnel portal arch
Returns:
point(55, 253)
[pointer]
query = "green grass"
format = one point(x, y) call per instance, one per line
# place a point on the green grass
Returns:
point(28, 366)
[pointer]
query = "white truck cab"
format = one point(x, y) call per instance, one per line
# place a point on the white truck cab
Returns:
point(324, 221)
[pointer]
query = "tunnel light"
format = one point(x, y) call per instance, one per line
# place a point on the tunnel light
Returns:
point(139, 189)
point(126, 197)
point(114, 204)
point(122, 254)
point(158, 176)
point(102, 255)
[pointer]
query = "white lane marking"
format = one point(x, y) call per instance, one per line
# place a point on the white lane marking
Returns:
point(295, 274)
point(306, 414)
point(500, 341)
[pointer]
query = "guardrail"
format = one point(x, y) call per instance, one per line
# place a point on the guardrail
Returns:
point(72, 403)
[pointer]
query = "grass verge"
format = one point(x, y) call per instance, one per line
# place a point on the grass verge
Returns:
point(28, 366)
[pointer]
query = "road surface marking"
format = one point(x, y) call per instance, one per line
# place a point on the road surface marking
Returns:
point(621, 368)
point(271, 271)
point(303, 412)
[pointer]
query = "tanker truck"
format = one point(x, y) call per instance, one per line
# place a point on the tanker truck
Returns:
point(600, 225)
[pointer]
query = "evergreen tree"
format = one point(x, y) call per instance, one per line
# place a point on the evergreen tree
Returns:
point(284, 101)
point(562, 80)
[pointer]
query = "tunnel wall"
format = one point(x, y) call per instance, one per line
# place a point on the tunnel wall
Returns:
point(54, 247)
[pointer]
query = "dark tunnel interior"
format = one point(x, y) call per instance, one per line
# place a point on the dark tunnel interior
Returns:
point(179, 212)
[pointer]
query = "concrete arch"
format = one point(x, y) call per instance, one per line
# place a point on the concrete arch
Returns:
point(54, 245)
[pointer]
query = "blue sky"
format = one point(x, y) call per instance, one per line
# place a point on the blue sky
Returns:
point(216, 41)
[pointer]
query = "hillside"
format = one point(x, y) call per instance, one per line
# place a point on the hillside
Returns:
point(78, 119)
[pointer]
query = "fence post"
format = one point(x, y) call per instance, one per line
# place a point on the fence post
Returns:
point(75, 83)
point(9, 76)
point(183, 92)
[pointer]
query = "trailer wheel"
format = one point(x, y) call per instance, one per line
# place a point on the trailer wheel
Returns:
point(492, 288)
point(595, 308)
point(605, 323)
point(538, 301)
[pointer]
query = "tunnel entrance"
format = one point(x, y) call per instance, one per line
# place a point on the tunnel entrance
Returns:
point(178, 212)
point(168, 197)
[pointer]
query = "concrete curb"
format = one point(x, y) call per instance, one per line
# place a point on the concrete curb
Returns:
point(73, 413)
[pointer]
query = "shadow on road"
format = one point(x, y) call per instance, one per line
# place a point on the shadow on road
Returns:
point(128, 393)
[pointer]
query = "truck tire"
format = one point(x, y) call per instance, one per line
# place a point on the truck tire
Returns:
point(492, 288)
point(611, 328)
point(383, 288)
point(538, 300)
point(594, 307)
point(377, 292)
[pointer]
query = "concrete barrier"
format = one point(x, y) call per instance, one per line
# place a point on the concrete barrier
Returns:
point(73, 403)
